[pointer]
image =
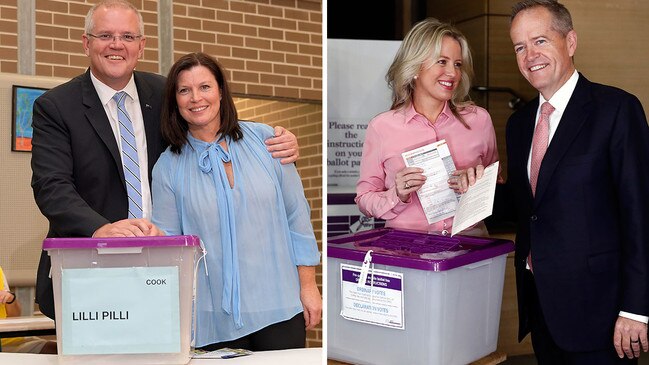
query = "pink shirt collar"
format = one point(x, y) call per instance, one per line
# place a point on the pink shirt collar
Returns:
point(410, 113)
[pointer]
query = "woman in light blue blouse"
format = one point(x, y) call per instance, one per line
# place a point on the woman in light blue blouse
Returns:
point(217, 180)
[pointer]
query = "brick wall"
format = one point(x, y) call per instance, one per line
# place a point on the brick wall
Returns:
point(8, 36)
point(272, 50)
point(270, 47)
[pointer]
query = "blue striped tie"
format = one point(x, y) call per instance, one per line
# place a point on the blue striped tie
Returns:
point(129, 158)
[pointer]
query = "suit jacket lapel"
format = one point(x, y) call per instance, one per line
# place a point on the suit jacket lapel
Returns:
point(96, 115)
point(572, 120)
point(527, 123)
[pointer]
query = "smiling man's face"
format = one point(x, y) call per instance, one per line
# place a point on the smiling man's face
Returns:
point(543, 54)
point(113, 62)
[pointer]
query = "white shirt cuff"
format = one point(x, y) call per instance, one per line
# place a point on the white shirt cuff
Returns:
point(635, 317)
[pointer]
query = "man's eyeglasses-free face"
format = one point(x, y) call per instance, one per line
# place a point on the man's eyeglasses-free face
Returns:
point(107, 37)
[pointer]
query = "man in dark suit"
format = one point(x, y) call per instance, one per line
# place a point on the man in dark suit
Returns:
point(78, 174)
point(582, 240)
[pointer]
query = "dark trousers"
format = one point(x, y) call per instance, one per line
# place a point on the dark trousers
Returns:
point(289, 334)
point(546, 350)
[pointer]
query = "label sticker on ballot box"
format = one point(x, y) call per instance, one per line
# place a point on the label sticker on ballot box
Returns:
point(132, 310)
point(379, 302)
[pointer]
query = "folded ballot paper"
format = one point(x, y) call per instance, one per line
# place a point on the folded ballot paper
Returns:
point(478, 201)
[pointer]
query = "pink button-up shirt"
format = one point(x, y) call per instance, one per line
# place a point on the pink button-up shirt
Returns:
point(395, 131)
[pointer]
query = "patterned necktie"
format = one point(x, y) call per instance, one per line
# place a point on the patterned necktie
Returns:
point(539, 146)
point(540, 143)
point(129, 158)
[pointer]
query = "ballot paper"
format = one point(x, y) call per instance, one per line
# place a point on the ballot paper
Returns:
point(478, 201)
point(224, 353)
point(437, 199)
point(441, 202)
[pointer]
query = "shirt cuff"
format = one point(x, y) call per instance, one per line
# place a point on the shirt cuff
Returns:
point(635, 317)
point(397, 205)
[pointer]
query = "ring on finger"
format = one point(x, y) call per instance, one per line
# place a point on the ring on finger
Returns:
point(406, 185)
point(636, 341)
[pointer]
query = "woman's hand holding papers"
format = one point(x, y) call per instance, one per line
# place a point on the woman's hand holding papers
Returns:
point(407, 181)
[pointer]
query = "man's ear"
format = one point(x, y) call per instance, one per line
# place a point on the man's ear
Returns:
point(141, 51)
point(571, 40)
point(86, 49)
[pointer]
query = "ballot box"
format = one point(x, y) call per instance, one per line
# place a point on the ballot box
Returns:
point(123, 300)
point(422, 298)
point(343, 215)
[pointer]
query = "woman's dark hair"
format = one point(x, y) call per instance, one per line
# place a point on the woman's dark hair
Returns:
point(174, 126)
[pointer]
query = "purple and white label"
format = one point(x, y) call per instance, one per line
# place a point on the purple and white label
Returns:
point(379, 302)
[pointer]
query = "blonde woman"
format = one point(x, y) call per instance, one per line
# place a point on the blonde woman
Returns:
point(430, 81)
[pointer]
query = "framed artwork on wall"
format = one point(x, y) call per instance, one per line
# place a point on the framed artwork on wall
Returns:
point(22, 107)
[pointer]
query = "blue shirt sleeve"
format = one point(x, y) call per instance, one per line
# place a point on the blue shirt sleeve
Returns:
point(298, 213)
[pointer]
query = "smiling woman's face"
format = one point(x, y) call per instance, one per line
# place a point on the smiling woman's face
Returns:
point(199, 102)
point(439, 77)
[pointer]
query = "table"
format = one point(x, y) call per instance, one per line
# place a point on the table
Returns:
point(26, 326)
point(308, 356)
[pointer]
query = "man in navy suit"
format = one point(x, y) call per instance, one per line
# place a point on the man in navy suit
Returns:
point(78, 178)
point(582, 240)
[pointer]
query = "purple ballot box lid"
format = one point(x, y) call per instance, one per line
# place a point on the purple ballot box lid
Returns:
point(115, 242)
point(416, 250)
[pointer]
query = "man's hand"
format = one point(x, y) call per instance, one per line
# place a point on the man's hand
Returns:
point(283, 145)
point(460, 180)
point(128, 228)
point(629, 337)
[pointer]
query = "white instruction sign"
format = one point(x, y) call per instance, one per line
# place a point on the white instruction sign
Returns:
point(379, 302)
